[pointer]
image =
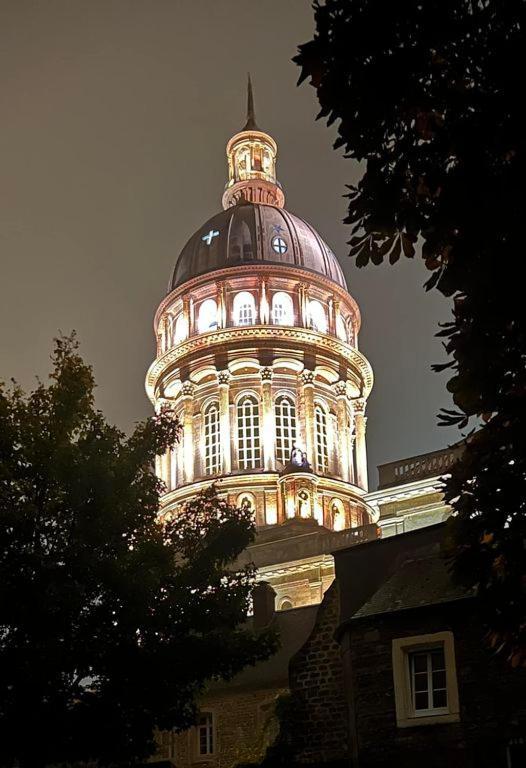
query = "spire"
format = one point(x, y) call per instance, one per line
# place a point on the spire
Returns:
point(251, 124)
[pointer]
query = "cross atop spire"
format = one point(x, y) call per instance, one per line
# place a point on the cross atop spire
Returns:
point(251, 124)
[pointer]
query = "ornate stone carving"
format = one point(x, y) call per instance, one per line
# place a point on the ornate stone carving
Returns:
point(266, 374)
point(307, 378)
point(340, 388)
point(187, 389)
point(223, 377)
point(358, 405)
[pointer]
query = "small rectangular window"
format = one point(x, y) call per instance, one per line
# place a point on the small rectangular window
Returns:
point(205, 734)
point(428, 681)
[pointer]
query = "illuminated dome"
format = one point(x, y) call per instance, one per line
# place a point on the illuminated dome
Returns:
point(252, 233)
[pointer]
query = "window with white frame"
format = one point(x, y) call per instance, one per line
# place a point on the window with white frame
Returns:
point(322, 444)
point(285, 412)
point(425, 680)
point(427, 675)
point(248, 433)
point(244, 309)
point(341, 328)
point(207, 319)
point(316, 317)
point(180, 329)
point(282, 309)
point(212, 440)
point(205, 734)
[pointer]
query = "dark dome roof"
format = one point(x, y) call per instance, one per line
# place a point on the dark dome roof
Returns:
point(246, 234)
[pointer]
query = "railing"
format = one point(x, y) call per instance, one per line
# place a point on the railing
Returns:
point(417, 467)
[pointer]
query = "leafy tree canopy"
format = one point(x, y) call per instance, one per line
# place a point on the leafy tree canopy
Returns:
point(110, 622)
point(428, 97)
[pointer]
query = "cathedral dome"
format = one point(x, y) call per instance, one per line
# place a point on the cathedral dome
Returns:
point(254, 233)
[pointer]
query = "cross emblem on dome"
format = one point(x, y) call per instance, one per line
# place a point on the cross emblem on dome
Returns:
point(209, 235)
point(278, 228)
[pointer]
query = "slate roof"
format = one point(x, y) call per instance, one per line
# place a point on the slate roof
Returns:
point(293, 628)
point(419, 582)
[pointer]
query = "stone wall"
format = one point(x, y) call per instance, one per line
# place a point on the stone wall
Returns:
point(492, 695)
point(317, 724)
point(244, 726)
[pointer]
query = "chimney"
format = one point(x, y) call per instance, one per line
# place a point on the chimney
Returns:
point(264, 601)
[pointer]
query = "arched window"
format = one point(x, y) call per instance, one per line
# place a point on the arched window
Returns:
point(316, 318)
point(285, 411)
point(244, 309)
point(322, 445)
point(341, 330)
point(180, 329)
point(207, 316)
point(337, 515)
point(282, 309)
point(212, 440)
point(285, 604)
point(248, 437)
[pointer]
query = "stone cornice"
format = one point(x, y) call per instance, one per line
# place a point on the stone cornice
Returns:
point(224, 337)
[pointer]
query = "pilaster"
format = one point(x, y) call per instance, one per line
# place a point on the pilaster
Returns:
point(223, 380)
point(268, 436)
point(187, 397)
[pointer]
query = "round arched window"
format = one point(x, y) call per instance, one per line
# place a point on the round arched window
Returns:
point(317, 319)
point(286, 604)
point(279, 245)
point(207, 316)
point(282, 309)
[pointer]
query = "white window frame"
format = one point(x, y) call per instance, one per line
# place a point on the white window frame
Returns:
point(286, 427)
point(244, 309)
point(207, 317)
point(248, 428)
point(208, 727)
point(321, 429)
point(282, 309)
point(316, 316)
point(402, 649)
point(212, 435)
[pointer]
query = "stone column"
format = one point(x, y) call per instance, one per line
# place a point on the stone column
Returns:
point(186, 315)
point(187, 396)
point(268, 431)
point(221, 308)
point(360, 447)
point(264, 310)
point(223, 379)
point(307, 381)
point(342, 436)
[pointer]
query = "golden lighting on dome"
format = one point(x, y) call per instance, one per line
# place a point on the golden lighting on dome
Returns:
point(251, 156)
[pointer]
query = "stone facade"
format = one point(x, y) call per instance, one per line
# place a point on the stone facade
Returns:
point(492, 696)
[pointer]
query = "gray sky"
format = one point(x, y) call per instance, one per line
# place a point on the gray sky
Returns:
point(115, 116)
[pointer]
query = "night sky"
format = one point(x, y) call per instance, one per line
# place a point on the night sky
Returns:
point(115, 116)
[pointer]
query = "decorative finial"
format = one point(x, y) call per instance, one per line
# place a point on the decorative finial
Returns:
point(251, 124)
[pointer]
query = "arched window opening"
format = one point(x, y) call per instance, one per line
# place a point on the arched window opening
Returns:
point(286, 604)
point(322, 445)
point(285, 412)
point(180, 329)
point(248, 434)
point(316, 318)
point(282, 309)
point(207, 316)
point(337, 515)
point(303, 502)
point(244, 309)
point(341, 330)
point(212, 440)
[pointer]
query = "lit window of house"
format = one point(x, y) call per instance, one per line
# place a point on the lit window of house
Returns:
point(316, 318)
point(180, 329)
point(244, 309)
point(285, 411)
point(322, 445)
point(425, 680)
point(207, 320)
point(205, 734)
point(248, 435)
point(212, 440)
point(282, 309)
